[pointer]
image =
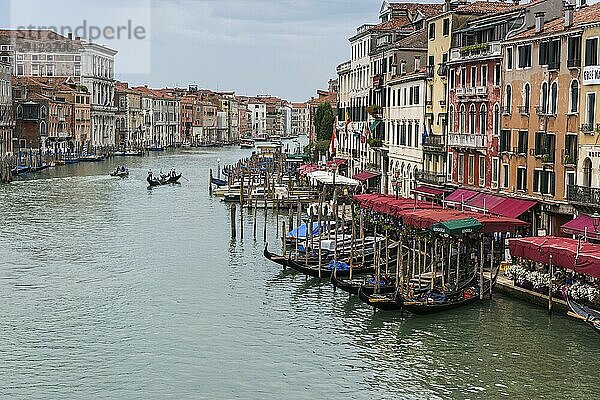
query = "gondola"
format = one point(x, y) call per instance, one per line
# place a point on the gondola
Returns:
point(584, 313)
point(353, 286)
point(153, 182)
point(40, 168)
point(119, 173)
point(129, 153)
point(91, 158)
point(173, 179)
point(156, 148)
point(20, 169)
point(313, 270)
point(218, 182)
point(435, 301)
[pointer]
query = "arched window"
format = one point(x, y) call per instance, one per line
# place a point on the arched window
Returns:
point(451, 118)
point(574, 96)
point(527, 97)
point(19, 111)
point(544, 98)
point(43, 112)
point(587, 172)
point(553, 98)
point(496, 119)
point(508, 98)
point(462, 118)
point(483, 120)
point(43, 128)
point(472, 119)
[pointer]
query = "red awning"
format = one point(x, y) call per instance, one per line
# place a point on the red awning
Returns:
point(461, 195)
point(582, 225)
point(365, 176)
point(337, 162)
point(427, 191)
point(491, 223)
point(566, 253)
point(499, 205)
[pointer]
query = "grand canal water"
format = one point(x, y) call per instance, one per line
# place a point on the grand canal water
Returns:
point(111, 290)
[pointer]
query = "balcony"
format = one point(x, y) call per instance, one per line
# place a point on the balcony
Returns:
point(459, 91)
point(434, 142)
point(466, 140)
point(583, 195)
point(542, 111)
point(430, 71)
point(590, 129)
point(378, 81)
point(523, 110)
point(481, 90)
point(434, 178)
point(476, 51)
point(442, 70)
point(573, 64)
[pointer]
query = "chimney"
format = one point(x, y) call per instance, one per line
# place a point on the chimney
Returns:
point(70, 36)
point(447, 6)
point(569, 15)
point(516, 2)
point(539, 21)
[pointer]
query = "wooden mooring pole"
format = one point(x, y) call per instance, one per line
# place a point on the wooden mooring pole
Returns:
point(233, 233)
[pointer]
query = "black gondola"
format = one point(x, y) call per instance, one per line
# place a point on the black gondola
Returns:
point(153, 182)
point(382, 301)
point(218, 182)
point(584, 313)
point(467, 294)
point(352, 286)
point(311, 270)
point(173, 179)
point(120, 173)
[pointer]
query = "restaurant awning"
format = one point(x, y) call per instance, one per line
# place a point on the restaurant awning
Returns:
point(365, 176)
point(457, 226)
point(336, 163)
point(582, 225)
point(499, 205)
point(423, 219)
point(427, 191)
point(327, 178)
point(566, 253)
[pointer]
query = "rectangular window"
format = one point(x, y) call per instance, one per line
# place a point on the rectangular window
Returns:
point(495, 166)
point(50, 70)
point(509, 58)
point(446, 27)
point(461, 166)
point(497, 75)
point(522, 178)
point(523, 142)
point(505, 141)
point(452, 78)
point(484, 75)
point(432, 30)
point(416, 95)
point(569, 180)
point(416, 141)
point(450, 162)
point(481, 170)
point(574, 51)
point(35, 69)
point(411, 96)
point(77, 70)
point(473, 76)
point(409, 134)
point(403, 134)
point(471, 169)
point(463, 77)
point(524, 56)
point(591, 52)
point(543, 53)
point(20, 70)
point(505, 175)
point(591, 109)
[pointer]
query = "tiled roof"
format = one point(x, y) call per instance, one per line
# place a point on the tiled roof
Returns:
point(428, 10)
point(396, 23)
point(581, 17)
point(485, 7)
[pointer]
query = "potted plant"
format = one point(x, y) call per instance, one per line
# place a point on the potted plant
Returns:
point(374, 142)
point(374, 110)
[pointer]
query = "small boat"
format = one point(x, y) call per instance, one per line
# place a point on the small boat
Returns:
point(20, 169)
point(313, 270)
point(583, 313)
point(173, 179)
point(71, 160)
point(434, 301)
point(219, 182)
point(129, 153)
point(154, 181)
point(156, 148)
point(92, 158)
point(247, 143)
point(40, 168)
point(386, 284)
point(381, 301)
point(120, 173)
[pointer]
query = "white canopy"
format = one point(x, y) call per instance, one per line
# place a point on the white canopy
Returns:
point(326, 178)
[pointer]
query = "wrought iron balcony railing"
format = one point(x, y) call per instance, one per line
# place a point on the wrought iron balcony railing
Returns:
point(583, 195)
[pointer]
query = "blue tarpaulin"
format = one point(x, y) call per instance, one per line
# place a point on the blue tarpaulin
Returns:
point(341, 266)
point(301, 230)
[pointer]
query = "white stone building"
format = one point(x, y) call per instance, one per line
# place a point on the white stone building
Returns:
point(259, 119)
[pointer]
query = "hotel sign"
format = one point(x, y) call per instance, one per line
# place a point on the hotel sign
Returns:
point(591, 75)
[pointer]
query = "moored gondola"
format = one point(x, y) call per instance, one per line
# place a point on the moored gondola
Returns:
point(352, 286)
point(583, 313)
point(173, 178)
point(381, 301)
point(434, 301)
point(218, 182)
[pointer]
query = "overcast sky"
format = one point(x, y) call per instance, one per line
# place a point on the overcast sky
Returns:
point(287, 48)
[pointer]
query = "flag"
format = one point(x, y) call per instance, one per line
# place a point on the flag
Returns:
point(347, 121)
point(424, 132)
point(365, 134)
point(334, 142)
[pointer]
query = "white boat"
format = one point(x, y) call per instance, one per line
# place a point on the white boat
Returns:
point(247, 143)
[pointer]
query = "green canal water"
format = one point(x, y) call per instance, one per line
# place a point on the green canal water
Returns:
point(111, 290)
